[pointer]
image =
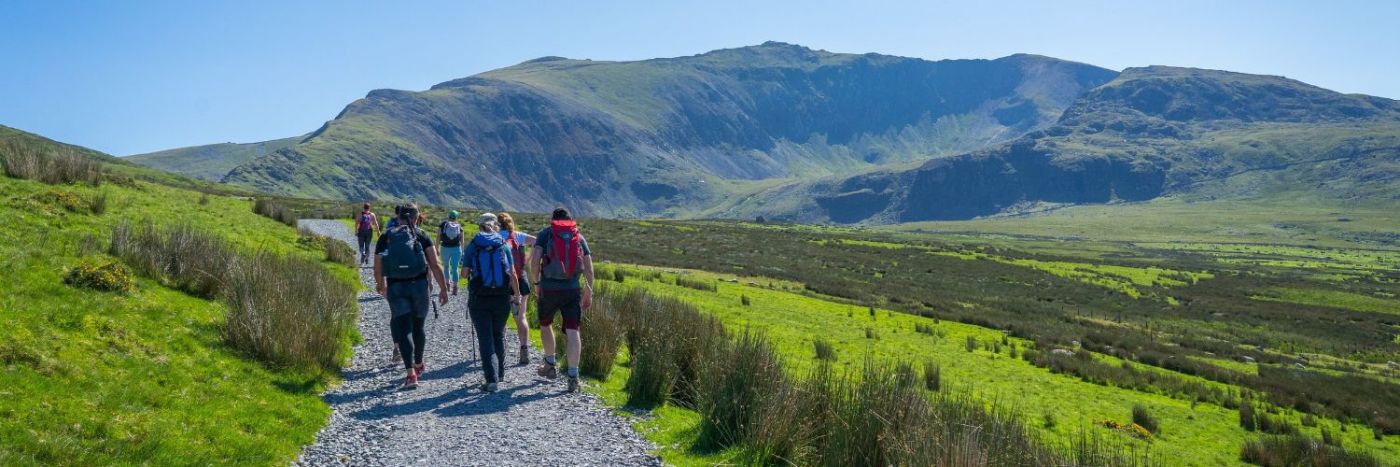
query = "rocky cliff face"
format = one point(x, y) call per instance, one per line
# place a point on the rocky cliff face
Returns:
point(1149, 132)
point(662, 136)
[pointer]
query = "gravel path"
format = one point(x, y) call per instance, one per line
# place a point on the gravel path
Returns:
point(529, 421)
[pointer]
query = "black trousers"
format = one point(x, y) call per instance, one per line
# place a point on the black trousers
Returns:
point(489, 314)
point(408, 303)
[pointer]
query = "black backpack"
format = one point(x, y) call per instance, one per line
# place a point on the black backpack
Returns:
point(405, 258)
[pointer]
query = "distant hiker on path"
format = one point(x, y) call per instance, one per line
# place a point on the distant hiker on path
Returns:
point(450, 239)
point(491, 288)
point(366, 225)
point(559, 256)
point(404, 257)
point(518, 242)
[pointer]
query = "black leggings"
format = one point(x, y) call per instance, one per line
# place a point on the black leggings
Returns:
point(407, 330)
point(364, 236)
point(489, 320)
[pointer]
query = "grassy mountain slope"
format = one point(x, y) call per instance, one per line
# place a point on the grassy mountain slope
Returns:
point(657, 136)
point(213, 161)
point(91, 377)
point(1150, 132)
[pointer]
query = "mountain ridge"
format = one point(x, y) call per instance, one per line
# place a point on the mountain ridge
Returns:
point(788, 132)
point(656, 135)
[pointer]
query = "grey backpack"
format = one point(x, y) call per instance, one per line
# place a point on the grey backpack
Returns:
point(404, 259)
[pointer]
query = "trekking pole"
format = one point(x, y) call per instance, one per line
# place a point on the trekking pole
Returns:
point(471, 329)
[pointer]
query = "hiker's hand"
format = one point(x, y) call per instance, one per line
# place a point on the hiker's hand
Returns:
point(442, 296)
point(587, 299)
point(381, 288)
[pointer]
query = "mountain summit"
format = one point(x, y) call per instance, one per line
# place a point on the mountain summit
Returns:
point(666, 136)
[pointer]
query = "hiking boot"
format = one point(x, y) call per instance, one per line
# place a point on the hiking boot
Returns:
point(524, 356)
point(573, 384)
point(548, 371)
point(418, 370)
point(411, 382)
point(488, 387)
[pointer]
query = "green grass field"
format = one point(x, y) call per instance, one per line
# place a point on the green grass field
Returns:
point(101, 378)
point(1283, 220)
point(1203, 434)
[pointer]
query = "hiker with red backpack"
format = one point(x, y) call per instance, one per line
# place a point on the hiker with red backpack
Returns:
point(366, 225)
point(518, 242)
point(404, 259)
point(559, 257)
point(491, 288)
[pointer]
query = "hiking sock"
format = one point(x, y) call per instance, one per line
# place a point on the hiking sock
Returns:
point(573, 372)
point(550, 360)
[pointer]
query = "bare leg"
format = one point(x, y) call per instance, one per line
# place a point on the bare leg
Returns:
point(522, 326)
point(547, 339)
point(572, 338)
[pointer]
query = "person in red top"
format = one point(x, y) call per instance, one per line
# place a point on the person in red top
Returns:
point(519, 241)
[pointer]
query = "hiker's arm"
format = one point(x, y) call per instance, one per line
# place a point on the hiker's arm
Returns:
point(514, 286)
point(529, 239)
point(379, 285)
point(431, 254)
point(588, 271)
point(535, 266)
point(588, 276)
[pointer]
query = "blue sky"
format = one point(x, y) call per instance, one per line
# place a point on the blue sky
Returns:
point(138, 76)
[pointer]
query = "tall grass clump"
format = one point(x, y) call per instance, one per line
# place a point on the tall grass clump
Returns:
point(287, 311)
point(739, 384)
point(825, 351)
point(604, 336)
point(283, 310)
point(697, 284)
point(933, 376)
point(653, 371)
point(51, 165)
point(275, 210)
point(179, 256)
point(1299, 450)
point(878, 416)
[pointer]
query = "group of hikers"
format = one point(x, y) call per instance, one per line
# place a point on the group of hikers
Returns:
point(499, 274)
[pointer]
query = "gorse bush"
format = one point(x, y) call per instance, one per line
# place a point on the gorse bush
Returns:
point(1298, 450)
point(1144, 418)
point(48, 164)
point(336, 251)
point(283, 310)
point(104, 276)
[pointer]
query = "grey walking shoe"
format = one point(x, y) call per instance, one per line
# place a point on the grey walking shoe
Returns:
point(524, 356)
point(488, 387)
point(573, 384)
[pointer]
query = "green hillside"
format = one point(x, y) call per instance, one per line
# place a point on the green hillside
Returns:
point(143, 373)
point(213, 161)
